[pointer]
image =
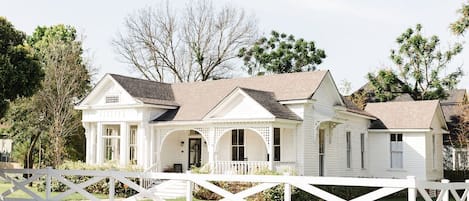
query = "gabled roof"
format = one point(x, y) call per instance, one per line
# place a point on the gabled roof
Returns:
point(148, 92)
point(268, 101)
point(403, 115)
point(197, 99)
point(455, 96)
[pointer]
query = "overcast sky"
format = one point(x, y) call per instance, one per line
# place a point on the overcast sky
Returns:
point(357, 35)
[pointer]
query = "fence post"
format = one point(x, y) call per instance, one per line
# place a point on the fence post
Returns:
point(48, 182)
point(189, 187)
point(446, 192)
point(453, 152)
point(412, 191)
point(112, 188)
point(287, 188)
point(467, 189)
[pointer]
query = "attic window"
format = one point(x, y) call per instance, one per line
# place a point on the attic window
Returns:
point(112, 99)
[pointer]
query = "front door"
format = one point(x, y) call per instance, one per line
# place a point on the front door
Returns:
point(195, 152)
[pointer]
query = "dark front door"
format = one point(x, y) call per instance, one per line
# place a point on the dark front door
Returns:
point(195, 152)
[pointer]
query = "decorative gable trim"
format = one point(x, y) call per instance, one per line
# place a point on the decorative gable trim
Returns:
point(229, 98)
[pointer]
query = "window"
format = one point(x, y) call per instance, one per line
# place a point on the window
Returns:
point(276, 144)
point(396, 151)
point(237, 145)
point(433, 152)
point(321, 152)
point(112, 144)
point(133, 145)
point(362, 150)
point(349, 149)
point(112, 99)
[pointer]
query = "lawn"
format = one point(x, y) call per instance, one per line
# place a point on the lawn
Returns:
point(20, 194)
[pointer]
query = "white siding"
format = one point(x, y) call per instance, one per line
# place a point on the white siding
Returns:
point(172, 152)
point(336, 152)
point(308, 149)
point(435, 172)
point(110, 88)
point(298, 109)
point(414, 152)
point(287, 145)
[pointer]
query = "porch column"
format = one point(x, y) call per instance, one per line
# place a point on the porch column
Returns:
point(92, 148)
point(211, 148)
point(86, 126)
point(140, 142)
point(158, 133)
point(99, 144)
point(152, 146)
point(147, 153)
point(124, 144)
point(271, 148)
point(142, 147)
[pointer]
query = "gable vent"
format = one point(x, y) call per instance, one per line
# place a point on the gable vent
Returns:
point(112, 99)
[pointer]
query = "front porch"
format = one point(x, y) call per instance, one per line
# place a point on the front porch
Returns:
point(226, 150)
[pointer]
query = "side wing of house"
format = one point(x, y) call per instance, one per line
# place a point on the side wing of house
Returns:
point(116, 125)
point(322, 136)
point(407, 141)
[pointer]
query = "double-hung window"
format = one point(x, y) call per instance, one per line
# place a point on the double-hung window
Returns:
point(362, 150)
point(348, 138)
point(237, 145)
point(133, 145)
point(396, 151)
point(276, 144)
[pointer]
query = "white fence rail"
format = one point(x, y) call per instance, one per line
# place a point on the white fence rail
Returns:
point(262, 182)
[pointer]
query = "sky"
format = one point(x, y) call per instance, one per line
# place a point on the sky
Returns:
point(357, 35)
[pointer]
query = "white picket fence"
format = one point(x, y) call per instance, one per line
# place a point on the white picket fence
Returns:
point(444, 189)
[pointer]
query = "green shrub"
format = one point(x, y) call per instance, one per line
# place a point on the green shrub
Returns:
point(101, 187)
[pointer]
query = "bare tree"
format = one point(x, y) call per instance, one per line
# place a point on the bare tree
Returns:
point(66, 80)
point(462, 127)
point(197, 44)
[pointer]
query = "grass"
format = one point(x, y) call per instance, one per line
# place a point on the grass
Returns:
point(20, 194)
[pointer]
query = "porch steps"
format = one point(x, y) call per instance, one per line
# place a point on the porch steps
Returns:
point(170, 189)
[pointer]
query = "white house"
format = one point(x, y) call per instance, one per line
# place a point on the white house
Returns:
point(293, 121)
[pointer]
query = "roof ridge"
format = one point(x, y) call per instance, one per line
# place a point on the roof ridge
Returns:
point(249, 78)
point(399, 102)
point(139, 79)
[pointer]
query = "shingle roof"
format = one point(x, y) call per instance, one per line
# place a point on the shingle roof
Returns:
point(402, 98)
point(455, 96)
point(403, 115)
point(268, 101)
point(452, 104)
point(195, 100)
point(149, 92)
point(353, 108)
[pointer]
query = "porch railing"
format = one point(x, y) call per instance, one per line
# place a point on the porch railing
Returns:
point(239, 167)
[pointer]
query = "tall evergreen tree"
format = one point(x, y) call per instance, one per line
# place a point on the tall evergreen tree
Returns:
point(281, 53)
